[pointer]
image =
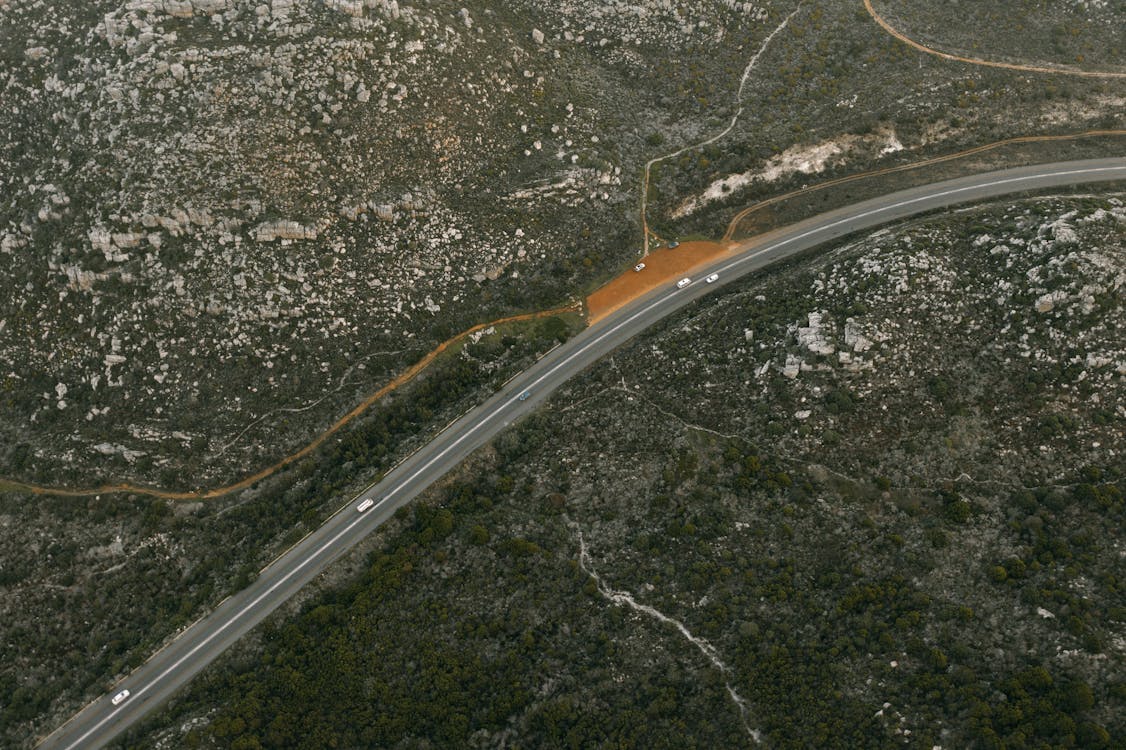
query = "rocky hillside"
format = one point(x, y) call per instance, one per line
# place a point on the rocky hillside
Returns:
point(224, 222)
point(873, 499)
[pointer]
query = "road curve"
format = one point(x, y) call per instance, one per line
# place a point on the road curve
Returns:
point(182, 658)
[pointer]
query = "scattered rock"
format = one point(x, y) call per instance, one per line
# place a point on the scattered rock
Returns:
point(284, 230)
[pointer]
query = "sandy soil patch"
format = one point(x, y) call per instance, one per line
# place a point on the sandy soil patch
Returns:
point(661, 267)
point(800, 159)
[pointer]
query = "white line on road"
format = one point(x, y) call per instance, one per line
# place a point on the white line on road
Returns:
point(600, 337)
point(141, 691)
point(238, 615)
point(908, 202)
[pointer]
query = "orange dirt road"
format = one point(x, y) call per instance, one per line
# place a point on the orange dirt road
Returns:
point(402, 379)
point(661, 267)
point(1060, 70)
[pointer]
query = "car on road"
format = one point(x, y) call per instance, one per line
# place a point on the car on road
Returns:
point(683, 282)
point(712, 278)
point(639, 267)
point(118, 699)
point(202, 643)
point(525, 395)
point(365, 505)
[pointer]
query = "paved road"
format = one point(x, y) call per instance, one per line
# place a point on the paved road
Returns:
point(172, 667)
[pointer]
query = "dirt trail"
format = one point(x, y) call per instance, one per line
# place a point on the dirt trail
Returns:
point(408, 375)
point(988, 63)
point(733, 227)
point(661, 267)
point(645, 232)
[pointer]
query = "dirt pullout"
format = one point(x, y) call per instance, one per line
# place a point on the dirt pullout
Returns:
point(661, 267)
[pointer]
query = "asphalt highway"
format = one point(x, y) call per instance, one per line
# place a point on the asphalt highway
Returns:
point(197, 646)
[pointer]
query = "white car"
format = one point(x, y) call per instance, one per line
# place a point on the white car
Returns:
point(639, 267)
point(683, 282)
point(365, 505)
point(712, 278)
point(118, 699)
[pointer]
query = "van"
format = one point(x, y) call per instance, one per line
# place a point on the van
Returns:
point(365, 505)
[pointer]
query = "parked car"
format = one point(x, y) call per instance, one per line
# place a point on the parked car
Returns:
point(673, 244)
point(639, 267)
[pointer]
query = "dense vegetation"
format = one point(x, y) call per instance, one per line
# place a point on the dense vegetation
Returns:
point(958, 585)
point(105, 567)
point(462, 631)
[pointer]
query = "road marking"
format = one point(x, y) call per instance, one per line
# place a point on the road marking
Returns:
point(603, 335)
point(767, 248)
point(399, 486)
point(733, 225)
point(908, 202)
point(141, 691)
